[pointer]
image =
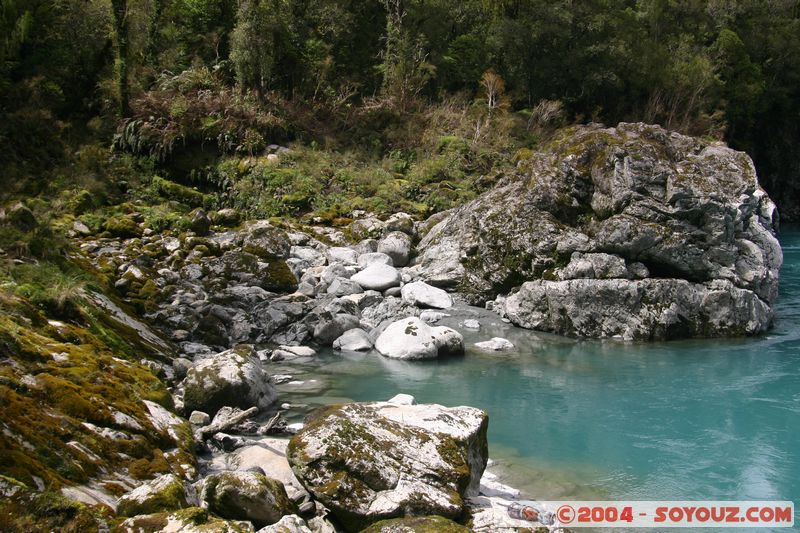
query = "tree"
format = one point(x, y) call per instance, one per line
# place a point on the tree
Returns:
point(495, 87)
point(121, 24)
point(405, 65)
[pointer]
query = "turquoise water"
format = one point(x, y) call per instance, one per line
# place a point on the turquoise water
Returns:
point(682, 420)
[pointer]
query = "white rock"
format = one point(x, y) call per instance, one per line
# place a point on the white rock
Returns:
point(308, 254)
point(403, 399)
point(411, 338)
point(396, 245)
point(471, 323)
point(163, 420)
point(367, 259)
point(342, 254)
point(377, 276)
point(199, 418)
point(287, 524)
point(432, 317)
point(80, 228)
point(299, 351)
point(495, 344)
point(353, 340)
point(421, 294)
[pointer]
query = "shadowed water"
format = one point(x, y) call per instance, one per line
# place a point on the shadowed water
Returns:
point(687, 420)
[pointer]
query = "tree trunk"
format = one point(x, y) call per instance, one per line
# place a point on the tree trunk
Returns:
point(120, 8)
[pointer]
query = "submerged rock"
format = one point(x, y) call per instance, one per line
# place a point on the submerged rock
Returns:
point(411, 338)
point(615, 205)
point(372, 461)
point(495, 344)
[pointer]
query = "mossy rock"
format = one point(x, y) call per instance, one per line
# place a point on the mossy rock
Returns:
point(280, 277)
point(417, 524)
point(122, 226)
point(73, 406)
point(24, 509)
point(229, 379)
point(175, 191)
point(351, 456)
point(247, 496)
point(191, 520)
point(21, 217)
point(165, 493)
point(266, 241)
point(80, 202)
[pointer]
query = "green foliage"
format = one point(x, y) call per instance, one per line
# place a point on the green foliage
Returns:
point(195, 108)
point(405, 67)
point(215, 78)
point(48, 285)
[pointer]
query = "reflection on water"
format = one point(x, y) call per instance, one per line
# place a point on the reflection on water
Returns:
point(715, 419)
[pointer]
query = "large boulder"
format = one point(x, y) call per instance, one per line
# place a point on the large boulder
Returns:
point(234, 378)
point(421, 294)
point(246, 496)
point(635, 201)
point(372, 461)
point(354, 340)
point(235, 267)
point(642, 310)
point(396, 245)
point(378, 277)
point(411, 338)
point(332, 326)
point(266, 241)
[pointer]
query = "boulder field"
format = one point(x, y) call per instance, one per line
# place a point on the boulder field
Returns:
point(631, 232)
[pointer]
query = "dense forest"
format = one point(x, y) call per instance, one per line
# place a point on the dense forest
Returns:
point(386, 100)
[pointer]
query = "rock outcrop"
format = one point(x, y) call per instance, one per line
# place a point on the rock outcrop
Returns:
point(372, 461)
point(604, 208)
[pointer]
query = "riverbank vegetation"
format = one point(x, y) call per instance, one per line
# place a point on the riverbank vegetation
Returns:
point(119, 117)
point(385, 105)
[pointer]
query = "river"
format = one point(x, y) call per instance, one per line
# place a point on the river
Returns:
point(680, 420)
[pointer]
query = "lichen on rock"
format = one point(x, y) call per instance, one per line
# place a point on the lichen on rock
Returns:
point(633, 202)
point(372, 461)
